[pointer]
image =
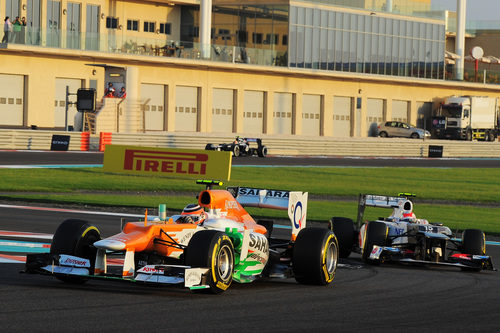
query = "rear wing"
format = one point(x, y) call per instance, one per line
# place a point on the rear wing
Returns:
point(382, 201)
point(294, 202)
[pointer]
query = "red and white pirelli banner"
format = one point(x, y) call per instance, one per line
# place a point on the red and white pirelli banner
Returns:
point(168, 162)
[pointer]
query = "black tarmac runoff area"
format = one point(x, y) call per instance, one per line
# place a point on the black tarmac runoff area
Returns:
point(10, 158)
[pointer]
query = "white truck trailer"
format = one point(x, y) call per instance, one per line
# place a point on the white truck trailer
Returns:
point(467, 118)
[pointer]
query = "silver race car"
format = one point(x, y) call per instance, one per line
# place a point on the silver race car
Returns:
point(404, 238)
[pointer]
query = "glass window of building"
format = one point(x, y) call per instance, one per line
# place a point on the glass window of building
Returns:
point(133, 25)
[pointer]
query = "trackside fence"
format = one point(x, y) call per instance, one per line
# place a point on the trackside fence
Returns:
point(276, 144)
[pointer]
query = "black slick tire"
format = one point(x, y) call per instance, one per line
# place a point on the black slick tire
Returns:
point(76, 238)
point(236, 150)
point(214, 250)
point(375, 234)
point(315, 256)
point(473, 242)
point(343, 228)
point(262, 152)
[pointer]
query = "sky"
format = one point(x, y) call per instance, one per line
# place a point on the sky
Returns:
point(477, 10)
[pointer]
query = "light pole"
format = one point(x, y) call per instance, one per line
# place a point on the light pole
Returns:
point(460, 39)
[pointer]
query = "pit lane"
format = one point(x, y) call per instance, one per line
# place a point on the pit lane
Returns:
point(374, 298)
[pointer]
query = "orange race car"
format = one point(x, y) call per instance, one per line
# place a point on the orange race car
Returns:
point(207, 246)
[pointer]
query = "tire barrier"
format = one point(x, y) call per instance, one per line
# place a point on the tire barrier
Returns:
point(85, 141)
point(105, 138)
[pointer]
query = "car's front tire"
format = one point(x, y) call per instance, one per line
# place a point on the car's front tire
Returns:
point(76, 238)
point(415, 136)
point(375, 234)
point(474, 243)
point(236, 150)
point(214, 250)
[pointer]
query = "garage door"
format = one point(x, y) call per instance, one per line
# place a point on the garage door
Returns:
point(400, 111)
point(186, 108)
point(342, 107)
point(222, 110)
point(282, 114)
point(153, 99)
point(311, 109)
point(374, 115)
point(60, 101)
point(253, 112)
point(11, 99)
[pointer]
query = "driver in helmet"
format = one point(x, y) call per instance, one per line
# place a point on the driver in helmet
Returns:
point(192, 213)
point(408, 211)
point(409, 215)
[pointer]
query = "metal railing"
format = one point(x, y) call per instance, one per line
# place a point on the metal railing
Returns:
point(156, 47)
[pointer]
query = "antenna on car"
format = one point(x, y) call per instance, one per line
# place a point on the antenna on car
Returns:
point(209, 183)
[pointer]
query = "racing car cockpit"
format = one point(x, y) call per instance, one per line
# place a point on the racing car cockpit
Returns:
point(192, 213)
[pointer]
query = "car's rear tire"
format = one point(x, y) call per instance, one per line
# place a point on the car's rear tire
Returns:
point(343, 228)
point(262, 152)
point(214, 250)
point(315, 256)
point(375, 234)
point(414, 136)
point(236, 150)
point(76, 238)
point(209, 146)
point(383, 134)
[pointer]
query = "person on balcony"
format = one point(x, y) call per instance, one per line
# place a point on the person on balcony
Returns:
point(7, 28)
point(122, 93)
point(16, 29)
point(110, 90)
point(23, 30)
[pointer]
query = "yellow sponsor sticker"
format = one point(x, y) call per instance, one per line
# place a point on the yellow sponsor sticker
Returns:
point(222, 286)
point(168, 162)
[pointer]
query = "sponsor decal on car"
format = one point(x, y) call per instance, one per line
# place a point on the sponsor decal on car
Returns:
point(151, 270)
point(258, 242)
point(67, 260)
point(377, 250)
point(257, 192)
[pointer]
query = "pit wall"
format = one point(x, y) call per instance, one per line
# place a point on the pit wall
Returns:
point(277, 145)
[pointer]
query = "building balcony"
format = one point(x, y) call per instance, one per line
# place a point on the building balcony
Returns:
point(154, 47)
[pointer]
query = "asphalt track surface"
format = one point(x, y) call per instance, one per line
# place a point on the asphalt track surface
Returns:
point(12, 158)
point(386, 298)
